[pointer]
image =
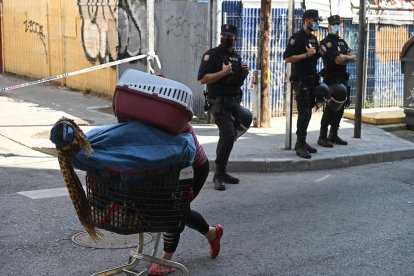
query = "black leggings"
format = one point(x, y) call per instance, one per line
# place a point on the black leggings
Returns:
point(194, 219)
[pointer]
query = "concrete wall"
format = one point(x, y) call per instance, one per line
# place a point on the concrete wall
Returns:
point(182, 37)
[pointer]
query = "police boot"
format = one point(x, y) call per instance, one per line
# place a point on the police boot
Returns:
point(230, 179)
point(334, 138)
point(302, 151)
point(310, 148)
point(218, 179)
point(323, 139)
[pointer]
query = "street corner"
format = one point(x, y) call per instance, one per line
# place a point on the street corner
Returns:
point(29, 124)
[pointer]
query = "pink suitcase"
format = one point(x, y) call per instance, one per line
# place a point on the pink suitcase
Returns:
point(158, 101)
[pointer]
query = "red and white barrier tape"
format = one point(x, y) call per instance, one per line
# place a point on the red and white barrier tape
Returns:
point(149, 56)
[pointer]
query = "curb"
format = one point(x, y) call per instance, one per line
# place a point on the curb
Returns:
point(393, 127)
point(263, 165)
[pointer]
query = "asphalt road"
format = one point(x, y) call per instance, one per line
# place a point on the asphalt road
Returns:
point(353, 221)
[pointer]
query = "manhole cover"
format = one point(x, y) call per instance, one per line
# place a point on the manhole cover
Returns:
point(109, 240)
point(42, 134)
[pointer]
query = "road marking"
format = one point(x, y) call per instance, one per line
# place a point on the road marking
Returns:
point(322, 178)
point(45, 193)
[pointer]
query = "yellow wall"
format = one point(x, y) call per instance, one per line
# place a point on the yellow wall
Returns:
point(26, 45)
point(84, 41)
point(49, 37)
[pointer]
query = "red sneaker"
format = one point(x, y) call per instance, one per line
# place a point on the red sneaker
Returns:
point(215, 243)
point(159, 270)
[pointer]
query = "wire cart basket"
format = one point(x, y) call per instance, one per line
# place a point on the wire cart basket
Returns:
point(156, 201)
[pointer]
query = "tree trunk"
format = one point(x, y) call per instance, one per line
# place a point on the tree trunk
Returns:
point(264, 36)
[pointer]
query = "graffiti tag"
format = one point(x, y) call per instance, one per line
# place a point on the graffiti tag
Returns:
point(34, 27)
point(181, 28)
point(37, 29)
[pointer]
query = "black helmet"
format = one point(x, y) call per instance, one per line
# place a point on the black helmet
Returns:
point(321, 94)
point(243, 119)
point(338, 93)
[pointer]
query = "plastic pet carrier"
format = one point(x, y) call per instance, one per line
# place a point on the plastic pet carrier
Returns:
point(162, 102)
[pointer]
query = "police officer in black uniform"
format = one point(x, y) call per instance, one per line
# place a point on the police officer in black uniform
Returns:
point(223, 71)
point(303, 52)
point(338, 55)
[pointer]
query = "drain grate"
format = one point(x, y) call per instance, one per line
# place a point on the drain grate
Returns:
point(109, 240)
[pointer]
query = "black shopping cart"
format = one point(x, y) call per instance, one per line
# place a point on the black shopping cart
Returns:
point(156, 201)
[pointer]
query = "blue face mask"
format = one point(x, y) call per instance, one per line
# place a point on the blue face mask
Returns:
point(336, 29)
point(315, 26)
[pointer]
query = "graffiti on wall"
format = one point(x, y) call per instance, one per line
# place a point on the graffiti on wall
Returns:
point(179, 27)
point(112, 29)
point(132, 25)
point(389, 42)
point(410, 97)
point(388, 86)
point(35, 28)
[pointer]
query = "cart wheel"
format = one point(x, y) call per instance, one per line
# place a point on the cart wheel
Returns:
point(130, 260)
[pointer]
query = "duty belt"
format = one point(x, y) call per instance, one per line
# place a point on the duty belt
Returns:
point(309, 77)
point(337, 77)
point(235, 99)
point(309, 80)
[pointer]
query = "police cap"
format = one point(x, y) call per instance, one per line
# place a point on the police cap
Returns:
point(334, 19)
point(312, 14)
point(229, 30)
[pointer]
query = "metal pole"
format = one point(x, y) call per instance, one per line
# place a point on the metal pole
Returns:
point(150, 30)
point(218, 19)
point(360, 69)
point(365, 79)
point(211, 21)
point(256, 98)
point(215, 28)
point(62, 43)
point(289, 98)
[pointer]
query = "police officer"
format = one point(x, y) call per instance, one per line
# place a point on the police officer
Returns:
point(303, 52)
point(338, 55)
point(223, 71)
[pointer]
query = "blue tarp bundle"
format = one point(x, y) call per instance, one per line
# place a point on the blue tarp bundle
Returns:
point(128, 148)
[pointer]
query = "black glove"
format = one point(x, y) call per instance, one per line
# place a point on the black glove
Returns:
point(207, 104)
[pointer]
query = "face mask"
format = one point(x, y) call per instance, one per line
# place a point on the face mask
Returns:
point(336, 29)
point(227, 42)
point(314, 26)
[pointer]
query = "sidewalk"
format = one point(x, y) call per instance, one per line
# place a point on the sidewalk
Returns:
point(28, 114)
